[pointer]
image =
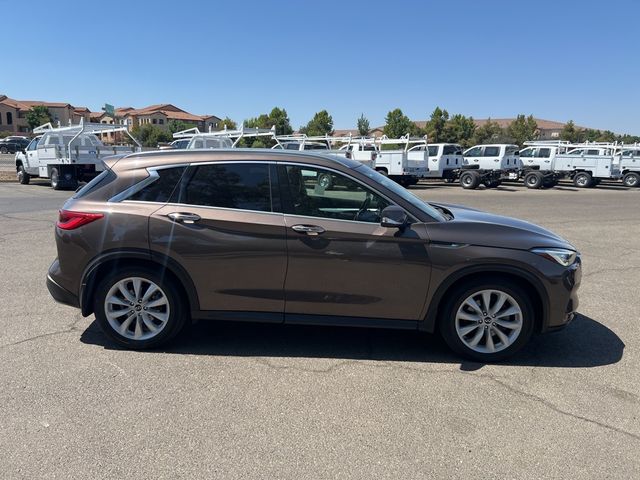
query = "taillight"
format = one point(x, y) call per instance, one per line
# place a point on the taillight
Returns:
point(68, 220)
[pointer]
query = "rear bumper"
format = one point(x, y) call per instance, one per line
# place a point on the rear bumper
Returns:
point(61, 294)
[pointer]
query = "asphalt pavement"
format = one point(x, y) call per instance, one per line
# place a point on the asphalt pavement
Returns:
point(292, 402)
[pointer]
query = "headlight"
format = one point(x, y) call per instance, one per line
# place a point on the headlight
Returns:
point(562, 256)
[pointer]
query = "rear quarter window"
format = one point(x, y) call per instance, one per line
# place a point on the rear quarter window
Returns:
point(102, 180)
point(160, 189)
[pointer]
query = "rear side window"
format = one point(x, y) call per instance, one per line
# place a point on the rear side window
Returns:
point(244, 186)
point(450, 150)
point(543, 153)
point(160, 189)
point(491, 151)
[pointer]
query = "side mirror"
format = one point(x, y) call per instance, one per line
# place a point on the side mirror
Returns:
point(394, 217)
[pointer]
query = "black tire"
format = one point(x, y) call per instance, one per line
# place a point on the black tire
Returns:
point(583, 180)
point(631, 179)
point(493, 183)
point(447, 321)
point(534, 180)
point(55, 179)
point(549, 182)
point(4, 150)
point(23, 176)
point(470, 180)
point(325, 181)
point(382, 171)
point(177, 310)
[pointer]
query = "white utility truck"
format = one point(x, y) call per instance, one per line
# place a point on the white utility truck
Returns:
point(327, 144)
point(538, 160)
point(501, 157)
point(590, 163)
point(216, 139)
point(445, 160)
point(70, 154)
point(402, 165)
point(629, 165)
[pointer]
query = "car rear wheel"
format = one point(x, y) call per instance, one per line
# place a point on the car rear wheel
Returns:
point(487, 321)
point(138, 308)
point(4, 150)
point(55, 179)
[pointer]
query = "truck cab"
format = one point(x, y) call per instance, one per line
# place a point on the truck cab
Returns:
point(444, 159)
point(503, 157)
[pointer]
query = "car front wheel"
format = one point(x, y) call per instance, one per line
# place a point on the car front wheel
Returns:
point(487, 321)
point(138, 308)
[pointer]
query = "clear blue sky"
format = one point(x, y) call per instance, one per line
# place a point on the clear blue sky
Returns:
point(558, 60)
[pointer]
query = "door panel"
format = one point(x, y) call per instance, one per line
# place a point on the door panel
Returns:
point(236, 259)
point(342, 262)
point(356, 269)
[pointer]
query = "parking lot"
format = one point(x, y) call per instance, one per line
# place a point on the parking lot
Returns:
point(263, 401)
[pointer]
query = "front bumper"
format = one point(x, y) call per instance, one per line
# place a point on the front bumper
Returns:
point(564, 298)
point(61, 294)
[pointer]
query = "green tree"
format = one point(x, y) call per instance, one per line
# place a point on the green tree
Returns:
point(178, 126)
point(398, 124)
point(280, 118)
point(523, 129)
point(363, 126)
point(570, 133)
point(459, 129)
point(38, 115)
point(320, 124)
point(435, 127)
point(227, 122)
point(151, 135)
point(489, 132)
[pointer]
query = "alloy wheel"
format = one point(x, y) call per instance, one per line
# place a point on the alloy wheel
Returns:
point(137, 308)
point(488, 321)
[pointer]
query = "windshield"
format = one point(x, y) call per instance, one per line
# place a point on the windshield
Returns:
point(401, 192)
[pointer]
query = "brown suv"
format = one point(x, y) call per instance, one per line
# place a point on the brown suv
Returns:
point(163, 238)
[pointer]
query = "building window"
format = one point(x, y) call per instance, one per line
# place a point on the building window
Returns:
point(9, 118)
point(161, 121)
point(155, 121)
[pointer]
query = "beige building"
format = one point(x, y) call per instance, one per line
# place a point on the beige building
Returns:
point(161, 114)
point(13, 115)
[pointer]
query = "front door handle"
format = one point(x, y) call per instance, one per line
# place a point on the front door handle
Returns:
point(308, 229)
point(183, 217)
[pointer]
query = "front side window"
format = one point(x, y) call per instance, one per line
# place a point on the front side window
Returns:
point(243, 186)
point(474, 152)
point(33, 144)
point(528, 152)
point(433, 150)
point(315, 192)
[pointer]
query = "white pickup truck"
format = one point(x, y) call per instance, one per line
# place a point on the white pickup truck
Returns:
point(67, 155)
point(502, 157)
point(445, 160)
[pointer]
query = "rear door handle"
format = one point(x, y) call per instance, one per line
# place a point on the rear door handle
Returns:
point(184, 217)
point(308, 229)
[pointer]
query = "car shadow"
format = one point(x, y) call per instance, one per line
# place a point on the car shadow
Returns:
point(584, 343)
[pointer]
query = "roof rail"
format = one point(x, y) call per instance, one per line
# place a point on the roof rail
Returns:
point(86, 128)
